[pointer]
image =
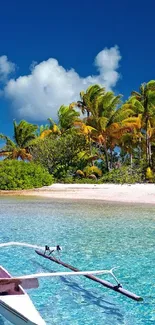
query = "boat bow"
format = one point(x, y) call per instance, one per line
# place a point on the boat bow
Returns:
point(22, 308)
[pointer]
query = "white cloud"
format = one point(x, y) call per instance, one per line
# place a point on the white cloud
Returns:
point(107, 62)
point(40, 94)
point(6, 67)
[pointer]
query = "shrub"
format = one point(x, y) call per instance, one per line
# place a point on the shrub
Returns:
point(16, 175)
point(68, 180)
point(60, 155)
point(124, 175)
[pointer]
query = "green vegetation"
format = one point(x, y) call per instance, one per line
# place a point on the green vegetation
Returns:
point(111, 142)
point(123, 175)
point(60, 154)
point(15, 175)
point(24, 134)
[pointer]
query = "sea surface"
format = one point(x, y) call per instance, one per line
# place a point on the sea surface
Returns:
point(93, 235)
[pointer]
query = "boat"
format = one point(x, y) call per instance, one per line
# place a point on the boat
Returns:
point(15, 304)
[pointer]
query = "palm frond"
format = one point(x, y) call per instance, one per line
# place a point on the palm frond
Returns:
point(51, 121)
point(151, 85)
point(103, 122)
point(45, 134)
point(9, 142)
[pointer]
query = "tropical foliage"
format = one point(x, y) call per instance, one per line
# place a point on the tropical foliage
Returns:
point(24, 134)
point(16, 175)
point(60, 155)
point(66, 118)
point(97, 138)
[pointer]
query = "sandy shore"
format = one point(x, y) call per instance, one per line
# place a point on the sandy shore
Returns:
point(137, 193)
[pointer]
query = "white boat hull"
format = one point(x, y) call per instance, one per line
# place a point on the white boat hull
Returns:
point(20, 311)
point(18, 307)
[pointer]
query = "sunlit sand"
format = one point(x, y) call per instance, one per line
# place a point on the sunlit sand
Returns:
point(136, 193)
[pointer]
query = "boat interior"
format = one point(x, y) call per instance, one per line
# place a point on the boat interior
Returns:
point(12, 288)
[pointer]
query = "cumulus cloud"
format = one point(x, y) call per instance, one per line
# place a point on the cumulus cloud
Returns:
point(49, 85)
point(6, 68)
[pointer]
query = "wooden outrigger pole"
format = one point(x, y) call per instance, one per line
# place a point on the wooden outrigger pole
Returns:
point(117, 288)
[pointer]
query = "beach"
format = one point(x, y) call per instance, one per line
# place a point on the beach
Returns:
point(135, 193)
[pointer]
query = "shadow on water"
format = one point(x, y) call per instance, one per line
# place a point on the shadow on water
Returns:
point(1, 321)
point(100, 301)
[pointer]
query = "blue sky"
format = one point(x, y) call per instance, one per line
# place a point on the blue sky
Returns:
point(43, 41)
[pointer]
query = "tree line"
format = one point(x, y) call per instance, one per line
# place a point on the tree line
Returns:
point(97, 137)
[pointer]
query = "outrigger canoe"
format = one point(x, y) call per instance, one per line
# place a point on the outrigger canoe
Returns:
point(15, 304)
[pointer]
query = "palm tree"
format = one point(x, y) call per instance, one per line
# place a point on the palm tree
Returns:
point(133, 139)
point(107, 136)
point(41, 129)
point(130, 143)
point(86, 130)
point(87, 99)
point(104, 122)
point(24, 135)
point(106, 119)
point(144, 103)
point(102, 108)
point(66, 118)
point(53, 128)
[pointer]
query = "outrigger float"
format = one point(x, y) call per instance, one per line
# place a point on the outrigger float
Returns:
point(15, 304)
point(116, 287)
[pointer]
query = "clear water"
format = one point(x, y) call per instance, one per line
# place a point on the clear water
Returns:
point(93, 236)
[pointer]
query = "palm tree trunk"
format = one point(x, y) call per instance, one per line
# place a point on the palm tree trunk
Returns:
point(150, 153)
point(140, 148)
point(131, 159)
point(90, 143)
point(147, 143)
point(147, 121)
point(106, 158)
point(111, 158)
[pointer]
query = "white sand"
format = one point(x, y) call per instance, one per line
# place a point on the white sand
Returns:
point(137, 193)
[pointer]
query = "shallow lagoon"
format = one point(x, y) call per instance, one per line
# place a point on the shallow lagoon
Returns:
point(94, 235)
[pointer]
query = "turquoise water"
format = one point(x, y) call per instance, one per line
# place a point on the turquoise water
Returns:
point(93, 236)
